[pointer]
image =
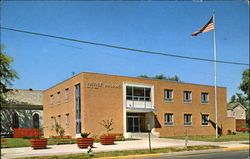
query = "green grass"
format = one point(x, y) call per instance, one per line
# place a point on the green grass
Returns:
point(238, 137)
point(20, 142)
point(17, 142)
point(124, 153)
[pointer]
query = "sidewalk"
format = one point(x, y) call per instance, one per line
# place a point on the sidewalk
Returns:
point(119, 145)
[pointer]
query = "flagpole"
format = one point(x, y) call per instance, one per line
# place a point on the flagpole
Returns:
point(215, 82)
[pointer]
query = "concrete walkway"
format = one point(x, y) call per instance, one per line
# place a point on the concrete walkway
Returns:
point(119, 145)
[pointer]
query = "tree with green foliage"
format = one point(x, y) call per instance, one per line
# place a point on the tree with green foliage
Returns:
point(162, 77)
point(143, 76)
point(245, 84)
point(8, 75)
point(239, 98)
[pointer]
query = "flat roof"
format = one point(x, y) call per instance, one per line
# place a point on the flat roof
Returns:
point(130, 77)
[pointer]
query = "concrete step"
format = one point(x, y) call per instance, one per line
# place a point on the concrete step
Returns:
point(140, 135)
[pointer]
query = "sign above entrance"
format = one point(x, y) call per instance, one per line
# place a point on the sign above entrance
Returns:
point(96, 85)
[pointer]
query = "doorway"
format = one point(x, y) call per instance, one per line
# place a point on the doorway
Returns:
point(135, 122)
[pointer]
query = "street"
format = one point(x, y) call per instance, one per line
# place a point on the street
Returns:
point(235, 154)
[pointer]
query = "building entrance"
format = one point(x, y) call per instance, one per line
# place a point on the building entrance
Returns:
point(135, 122)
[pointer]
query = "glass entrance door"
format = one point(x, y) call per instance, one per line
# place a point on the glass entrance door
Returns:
point(133, 123)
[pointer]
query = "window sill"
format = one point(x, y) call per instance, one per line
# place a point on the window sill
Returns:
point(204, 103)
point(169, 125)
point(205, 125)
point(168, 101)
point(187, 102)
point(188, 125)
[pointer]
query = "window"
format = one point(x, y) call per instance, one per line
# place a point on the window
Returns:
point(204, 120)
point(138, 93)
point(78, 108)
point(58, 97)
point(204, 98)
point(67, 120)
point(66, 95)
point(51, 99)
point(52, 122)
point(187, 119)
point(59, 120)
point(169, 119)
point(168, 95)
point(15, 120)
point(35, 120)
point(187, 96)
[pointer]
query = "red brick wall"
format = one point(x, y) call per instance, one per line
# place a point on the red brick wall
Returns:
point(240, 123)
point(21, 132)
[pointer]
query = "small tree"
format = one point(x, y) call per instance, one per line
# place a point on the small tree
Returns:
point(59, 129)
point(107, 124)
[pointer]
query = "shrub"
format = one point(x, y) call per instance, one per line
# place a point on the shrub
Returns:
point(107, 124)
point(85, 135)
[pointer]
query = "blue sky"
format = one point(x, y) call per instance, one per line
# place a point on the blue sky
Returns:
point(160, 26)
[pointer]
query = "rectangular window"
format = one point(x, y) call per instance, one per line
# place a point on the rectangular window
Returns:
point(169, 119)
point(66, 95)
point(58, 97)
point(138, 93)
point(187, 119)
point(52, 122)
point(204, 98)
point(78, 108)
point(67, 120)
point(204, 120)
point(51, 99)
point(59, 120)
point(187, 96)
point(168, 95)
point(129, 93)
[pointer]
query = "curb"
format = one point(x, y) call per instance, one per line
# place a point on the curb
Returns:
point(132, 156)
point(178, 153)
point(235, 148)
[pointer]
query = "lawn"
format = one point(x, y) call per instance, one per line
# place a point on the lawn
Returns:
point(20, 142)
point(125, 153)
point(237, 137)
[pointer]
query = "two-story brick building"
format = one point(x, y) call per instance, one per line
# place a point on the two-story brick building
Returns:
point(134, 104)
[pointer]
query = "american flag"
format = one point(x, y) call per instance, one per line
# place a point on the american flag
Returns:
point(209, 26)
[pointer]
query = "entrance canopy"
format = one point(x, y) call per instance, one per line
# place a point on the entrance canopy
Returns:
point(133, 109)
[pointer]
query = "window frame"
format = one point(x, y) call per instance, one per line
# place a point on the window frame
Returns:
point(207, 98)
point(67, 120)
point(133, 97)
point(165, 119)
point(190, 96)
point(51, 99)
point(187, 123)
point(15, 120)
point(67, 95)
point(52, 122)
point(36, 122)
point(202, 123)
point(58, 99)
point(166, 91)
point(59, 117)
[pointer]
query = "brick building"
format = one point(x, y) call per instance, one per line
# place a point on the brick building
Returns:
point(135, 104)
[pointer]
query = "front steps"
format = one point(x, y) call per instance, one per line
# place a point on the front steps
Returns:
point(140, 135)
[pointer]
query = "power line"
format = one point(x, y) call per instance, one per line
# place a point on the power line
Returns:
point(123, 48)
